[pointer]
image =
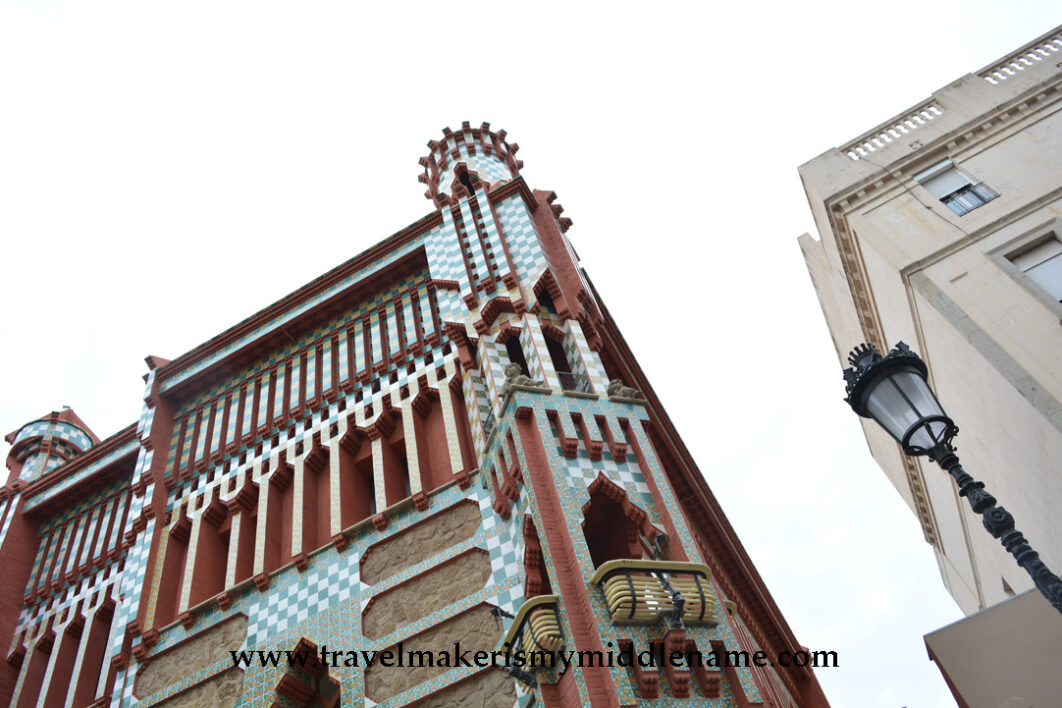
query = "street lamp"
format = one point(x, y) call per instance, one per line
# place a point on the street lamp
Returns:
point(893, 390)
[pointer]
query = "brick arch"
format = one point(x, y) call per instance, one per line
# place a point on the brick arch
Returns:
point(548, 282)
point(552, 332)
point(508, 331)
point(606, 497)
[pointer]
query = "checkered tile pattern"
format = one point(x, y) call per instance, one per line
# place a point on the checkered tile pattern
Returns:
point(306, 594)
point(493, 360)
point(6, 514)
point(480, 265)
point(446, 262)
point(60, 430)
point(325, 601)
point(488, 167)
point(66, 441)
point(533, 344)
point(584, 358)
point(524, 245)
point(478, 407)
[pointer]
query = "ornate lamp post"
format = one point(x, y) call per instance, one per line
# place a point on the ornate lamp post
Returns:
point(893, 390)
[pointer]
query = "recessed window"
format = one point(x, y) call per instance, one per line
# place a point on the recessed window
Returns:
point(1043, 264)
point(958, 191)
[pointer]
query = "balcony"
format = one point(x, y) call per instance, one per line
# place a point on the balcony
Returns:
point(577, 383)
point(536, 630)
point(644, 591)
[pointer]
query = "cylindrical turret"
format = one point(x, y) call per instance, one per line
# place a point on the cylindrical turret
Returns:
point(485, 154)
point(40, 446)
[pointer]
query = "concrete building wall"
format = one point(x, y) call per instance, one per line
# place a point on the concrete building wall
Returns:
point(895, 263)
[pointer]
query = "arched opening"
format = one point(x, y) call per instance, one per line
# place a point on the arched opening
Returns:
point(614, 527)
point(545, 300)
point(557, 356)
point(516, 354)
point(608, 532)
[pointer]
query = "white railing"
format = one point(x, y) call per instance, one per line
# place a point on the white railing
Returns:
point(1025, 58)
point(881, 137)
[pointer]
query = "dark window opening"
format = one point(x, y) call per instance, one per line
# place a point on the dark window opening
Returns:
point(546, 301)
point(557, 356)
point(516, 354)
point(608, 531)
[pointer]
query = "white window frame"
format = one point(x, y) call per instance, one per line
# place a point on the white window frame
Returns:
point(953, 188)
point(1015, 258)
point(1042, 264)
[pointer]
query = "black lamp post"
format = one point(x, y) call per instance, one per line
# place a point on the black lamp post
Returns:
point(893, 390)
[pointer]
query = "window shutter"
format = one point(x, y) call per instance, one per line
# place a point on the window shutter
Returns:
point(1044, 265)
point(946, 182)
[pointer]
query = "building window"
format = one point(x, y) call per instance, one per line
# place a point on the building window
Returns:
point(1043, 264)
point(958, 192)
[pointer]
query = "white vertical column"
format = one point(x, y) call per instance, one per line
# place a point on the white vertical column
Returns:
point(334, 487)
point(453, 439)
point(264, 490)
point(189, 561)
point(297, 503)
point(410, 433)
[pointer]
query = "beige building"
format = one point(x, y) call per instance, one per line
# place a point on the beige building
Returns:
point(942, 227)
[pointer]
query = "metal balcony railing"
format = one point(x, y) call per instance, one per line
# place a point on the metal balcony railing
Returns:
point(537, 630)
point(969, 198)
point(488, 424)
point(580, 383)
point(644, 591)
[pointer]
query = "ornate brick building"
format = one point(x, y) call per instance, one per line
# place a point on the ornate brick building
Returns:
point(445, 439)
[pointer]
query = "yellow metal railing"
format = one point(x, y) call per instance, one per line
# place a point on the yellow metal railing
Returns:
point(536, 626)
point(643, 591)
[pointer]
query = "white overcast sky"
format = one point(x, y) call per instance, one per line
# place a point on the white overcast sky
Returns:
point(167, 170)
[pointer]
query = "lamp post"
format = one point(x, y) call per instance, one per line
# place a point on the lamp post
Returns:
point(893, 390)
